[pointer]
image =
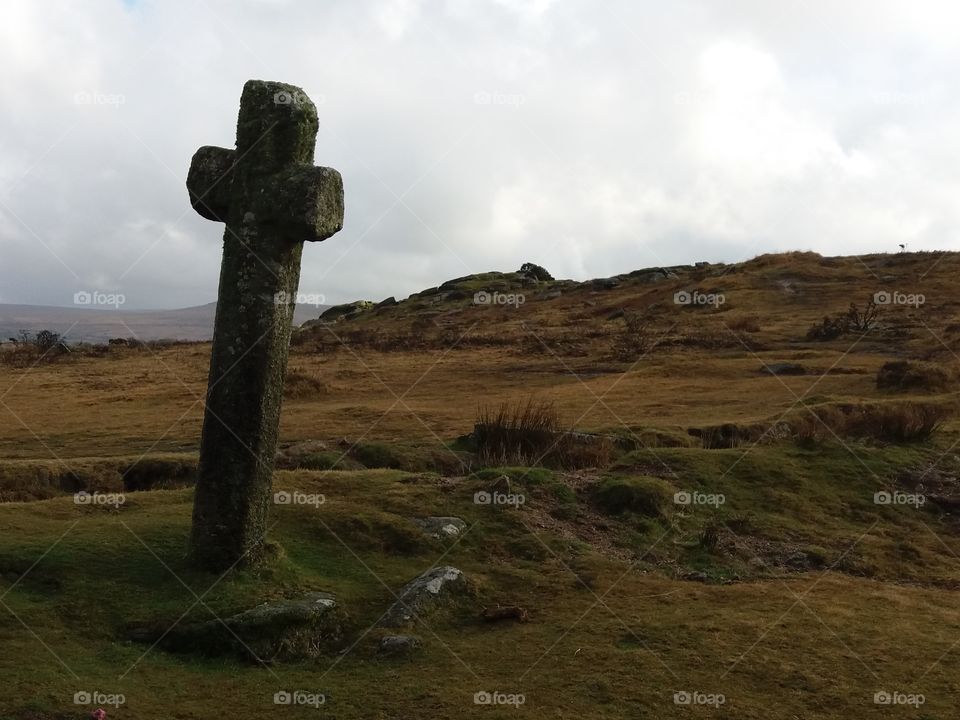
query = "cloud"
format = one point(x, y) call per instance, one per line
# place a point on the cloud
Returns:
point(589, 138)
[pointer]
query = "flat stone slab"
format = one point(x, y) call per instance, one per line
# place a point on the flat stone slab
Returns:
point(424, 593)
point(291, 629)
point(441, 528)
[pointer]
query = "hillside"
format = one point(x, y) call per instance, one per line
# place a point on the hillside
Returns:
point(730, 500)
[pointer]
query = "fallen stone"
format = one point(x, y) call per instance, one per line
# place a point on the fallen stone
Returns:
point(424, 593)
point(440, 527)
point(292, 629)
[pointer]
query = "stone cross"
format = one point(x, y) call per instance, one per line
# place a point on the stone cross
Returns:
point(272, 199)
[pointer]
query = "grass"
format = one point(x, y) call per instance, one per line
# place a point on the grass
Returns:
point(797, 595)
point(652, 635)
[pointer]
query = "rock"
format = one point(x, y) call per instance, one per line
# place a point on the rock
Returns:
point(424, 593)
point(398, 645)
point(616, 314)
point(441, 527)
point(553, 295)
point(701, 265)
point(535, 271)
point(784, 369)
point(388, 302)
point(345, 311)
point(605, 283)
point(291, 629)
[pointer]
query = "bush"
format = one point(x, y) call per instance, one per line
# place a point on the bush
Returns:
point(301, 385)
point(896, 422)
point(647, 496)
point(853, 320)
point(901, 375)
point(634, 340)
point(530, 433)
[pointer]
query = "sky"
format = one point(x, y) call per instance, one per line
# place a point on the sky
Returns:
point(593, 138)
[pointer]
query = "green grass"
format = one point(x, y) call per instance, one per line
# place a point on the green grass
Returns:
point(608, 637)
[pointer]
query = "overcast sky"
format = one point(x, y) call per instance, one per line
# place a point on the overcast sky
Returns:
point(592, 137)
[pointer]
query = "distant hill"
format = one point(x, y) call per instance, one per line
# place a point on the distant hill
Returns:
point(81, 324)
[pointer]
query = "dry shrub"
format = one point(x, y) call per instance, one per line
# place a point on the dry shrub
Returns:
point(854, 320)
point(902, 375)
point(636, 338)
point(888, 422)
point(303, 384)
point(530, 433)
point(744, 323)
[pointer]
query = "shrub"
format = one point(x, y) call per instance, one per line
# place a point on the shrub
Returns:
point(647, 496)
point(746, 323)
point(896, 422)
point(900, 375)
point(301, 384)
point(530, 433)
point(634, 340)
point(853, 320)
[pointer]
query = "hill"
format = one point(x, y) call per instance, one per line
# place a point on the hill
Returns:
point(94, 325)
point(727, 501)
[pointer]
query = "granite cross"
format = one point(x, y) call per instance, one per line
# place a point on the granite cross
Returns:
point(272, 199)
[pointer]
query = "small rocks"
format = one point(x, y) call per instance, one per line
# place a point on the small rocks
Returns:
point(398, 645)
point(441, 528)
point(424, 593)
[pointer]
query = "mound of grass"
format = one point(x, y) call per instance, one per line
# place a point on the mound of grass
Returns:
point(647, 496)
point(530, 433)
point(902, 375)
point(327, 460)
point(896, 422)
point(25, 480)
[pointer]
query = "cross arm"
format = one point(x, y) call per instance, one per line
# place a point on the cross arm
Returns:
point(209, 181)
point(308, 202)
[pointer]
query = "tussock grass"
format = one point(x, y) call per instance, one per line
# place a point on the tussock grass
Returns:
point(530, 433)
